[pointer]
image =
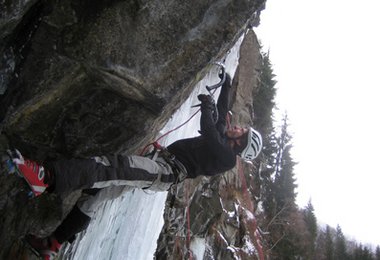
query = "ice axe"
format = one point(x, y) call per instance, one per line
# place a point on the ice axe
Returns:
point(214, 87)
point(223, 78)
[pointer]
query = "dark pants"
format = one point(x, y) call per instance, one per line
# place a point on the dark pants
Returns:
point(109, 177)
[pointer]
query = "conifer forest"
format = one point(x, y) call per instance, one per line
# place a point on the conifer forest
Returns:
point(291, 232)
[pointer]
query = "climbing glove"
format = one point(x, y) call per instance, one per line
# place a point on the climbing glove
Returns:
point(206, 101)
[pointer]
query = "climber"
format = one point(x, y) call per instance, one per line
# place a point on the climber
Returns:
point(107, 177)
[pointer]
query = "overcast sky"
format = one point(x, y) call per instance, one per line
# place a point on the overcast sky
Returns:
point(326, 56)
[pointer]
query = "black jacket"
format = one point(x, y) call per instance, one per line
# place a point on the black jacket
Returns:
point(208, 154)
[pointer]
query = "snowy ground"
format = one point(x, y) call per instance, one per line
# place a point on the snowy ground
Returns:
point(128, 227)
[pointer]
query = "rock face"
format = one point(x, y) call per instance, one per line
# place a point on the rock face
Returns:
point(219, 210)
point(102, 76)
point(80, 78)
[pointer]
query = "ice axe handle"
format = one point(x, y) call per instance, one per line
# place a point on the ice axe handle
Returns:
point(209, 88)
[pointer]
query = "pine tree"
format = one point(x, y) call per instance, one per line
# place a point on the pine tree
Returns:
point(367, 255)
point(340, 251)
point(377, 253)
point(320, 247)
point(287, 226)
point(312, 228)
point(263, 110)
point(329, 250)
point(361, 252)
point(265, 101)
point(358, 252)
point(285, 195)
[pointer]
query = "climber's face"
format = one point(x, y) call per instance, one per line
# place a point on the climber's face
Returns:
point(236, 132)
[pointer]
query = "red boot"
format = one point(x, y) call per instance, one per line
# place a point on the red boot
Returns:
point(47, 247)
point(33, 173)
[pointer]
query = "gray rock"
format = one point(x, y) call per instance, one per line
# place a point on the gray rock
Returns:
point(79, 78)
point(104, 76)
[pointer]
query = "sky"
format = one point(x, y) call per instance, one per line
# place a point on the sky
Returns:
point(326, 56)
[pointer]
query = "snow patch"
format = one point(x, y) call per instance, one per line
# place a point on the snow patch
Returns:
point(248, 247)
point(249, 216)
point(198, 247)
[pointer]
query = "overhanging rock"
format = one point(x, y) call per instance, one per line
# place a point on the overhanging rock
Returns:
point(98, 77)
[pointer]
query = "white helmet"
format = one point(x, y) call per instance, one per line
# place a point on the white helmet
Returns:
point(254, 145)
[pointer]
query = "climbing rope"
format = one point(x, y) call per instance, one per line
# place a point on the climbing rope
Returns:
point(211, 90)
point(156, 142)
